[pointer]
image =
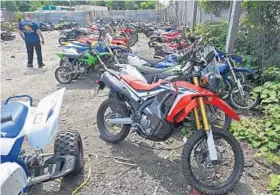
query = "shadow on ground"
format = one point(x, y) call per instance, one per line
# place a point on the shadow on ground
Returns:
point(167, 173)
point(83, 82)
point(66, 186)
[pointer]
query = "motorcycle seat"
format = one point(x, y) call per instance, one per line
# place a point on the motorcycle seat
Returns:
point(74, 55)
point(152, 61)
point(150, 70)
point(13, 117)
point(139, 85)
point(80, 44)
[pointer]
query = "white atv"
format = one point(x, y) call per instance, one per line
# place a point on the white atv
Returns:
point(40, 124)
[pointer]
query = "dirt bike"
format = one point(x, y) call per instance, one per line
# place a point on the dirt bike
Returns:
point(181, 73)
point(157, 110)
point(72, 64)
point(241, 94)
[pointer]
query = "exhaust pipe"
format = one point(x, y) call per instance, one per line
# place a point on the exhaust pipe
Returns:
point(120, 121)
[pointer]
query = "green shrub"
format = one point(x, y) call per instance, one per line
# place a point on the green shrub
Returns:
point(213, 32)
point(264, 132)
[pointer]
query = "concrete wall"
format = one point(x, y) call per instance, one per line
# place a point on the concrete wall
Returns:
point(55, 16)
point(139, 15)
point(90, 8)
point(181, 13)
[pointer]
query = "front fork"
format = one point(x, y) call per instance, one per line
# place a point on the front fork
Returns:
point(207, 127)
point(237, 81)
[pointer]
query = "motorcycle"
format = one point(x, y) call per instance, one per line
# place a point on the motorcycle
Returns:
point(7, 36)
point(70, 35)
point(157, 110)
point(40, 124)
point(73, 64)
point(46, 27)
point(241, 95)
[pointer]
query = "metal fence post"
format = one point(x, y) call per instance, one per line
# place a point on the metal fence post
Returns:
point(194, 14)
point(233, 26)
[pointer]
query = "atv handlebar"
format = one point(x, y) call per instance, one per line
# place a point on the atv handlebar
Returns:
point(19, 96)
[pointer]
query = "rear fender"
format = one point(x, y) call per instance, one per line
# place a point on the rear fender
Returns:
point(120, 47)
point(241, 69)
point(118, 42)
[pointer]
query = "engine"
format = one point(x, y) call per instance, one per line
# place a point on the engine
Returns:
point(152, 122)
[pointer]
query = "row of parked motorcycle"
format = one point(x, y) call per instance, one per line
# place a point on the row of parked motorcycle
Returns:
point(113, 42)
point(153, 98)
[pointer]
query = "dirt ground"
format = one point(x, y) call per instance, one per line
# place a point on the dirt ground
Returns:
point(155, 172)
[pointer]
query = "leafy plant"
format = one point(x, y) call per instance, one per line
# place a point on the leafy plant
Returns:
point(215, 7)
point(264, 133)
point(213, 32)
point(274, 185)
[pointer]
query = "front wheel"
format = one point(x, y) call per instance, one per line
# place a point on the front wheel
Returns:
point(110, 109)
point(70, 143)
point(213, 177)
point(247, 101)
point(63, 75)
point(152, 43)
point(62, 40)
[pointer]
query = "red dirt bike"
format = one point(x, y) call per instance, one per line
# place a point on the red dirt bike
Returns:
point(212, 158)
point(163, 39)
point(131, 35)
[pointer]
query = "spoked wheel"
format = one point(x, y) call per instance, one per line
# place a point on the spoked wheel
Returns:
point(218, 118)
point(66, 63)
point(153, 43)
point(225, 89)
point(132, 39)
point(213, 177)
point(112, 132)
point(247, 101)
point(62, 40)
point(63, 75)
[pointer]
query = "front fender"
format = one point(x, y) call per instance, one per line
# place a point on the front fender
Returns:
point(105, 54)
point(215, 101)
point(59, 55)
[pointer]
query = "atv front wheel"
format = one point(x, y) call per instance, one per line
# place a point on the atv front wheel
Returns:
point(70, 143)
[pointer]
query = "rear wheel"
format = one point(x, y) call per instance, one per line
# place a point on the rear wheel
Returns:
point(70, 143)
point(213, 177)
point(112, 132)
point(132, 39)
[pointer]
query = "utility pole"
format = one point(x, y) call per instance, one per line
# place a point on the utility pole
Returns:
point(233, 25)
point(194, 13)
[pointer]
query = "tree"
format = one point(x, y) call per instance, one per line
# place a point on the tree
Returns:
point(19, 16)
point(131, 5)
point(10, 6)
point(35, 5)
point(23, 6)
point(151, 4)
point(143, 5)
point(118, 5)
point(215, 7)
